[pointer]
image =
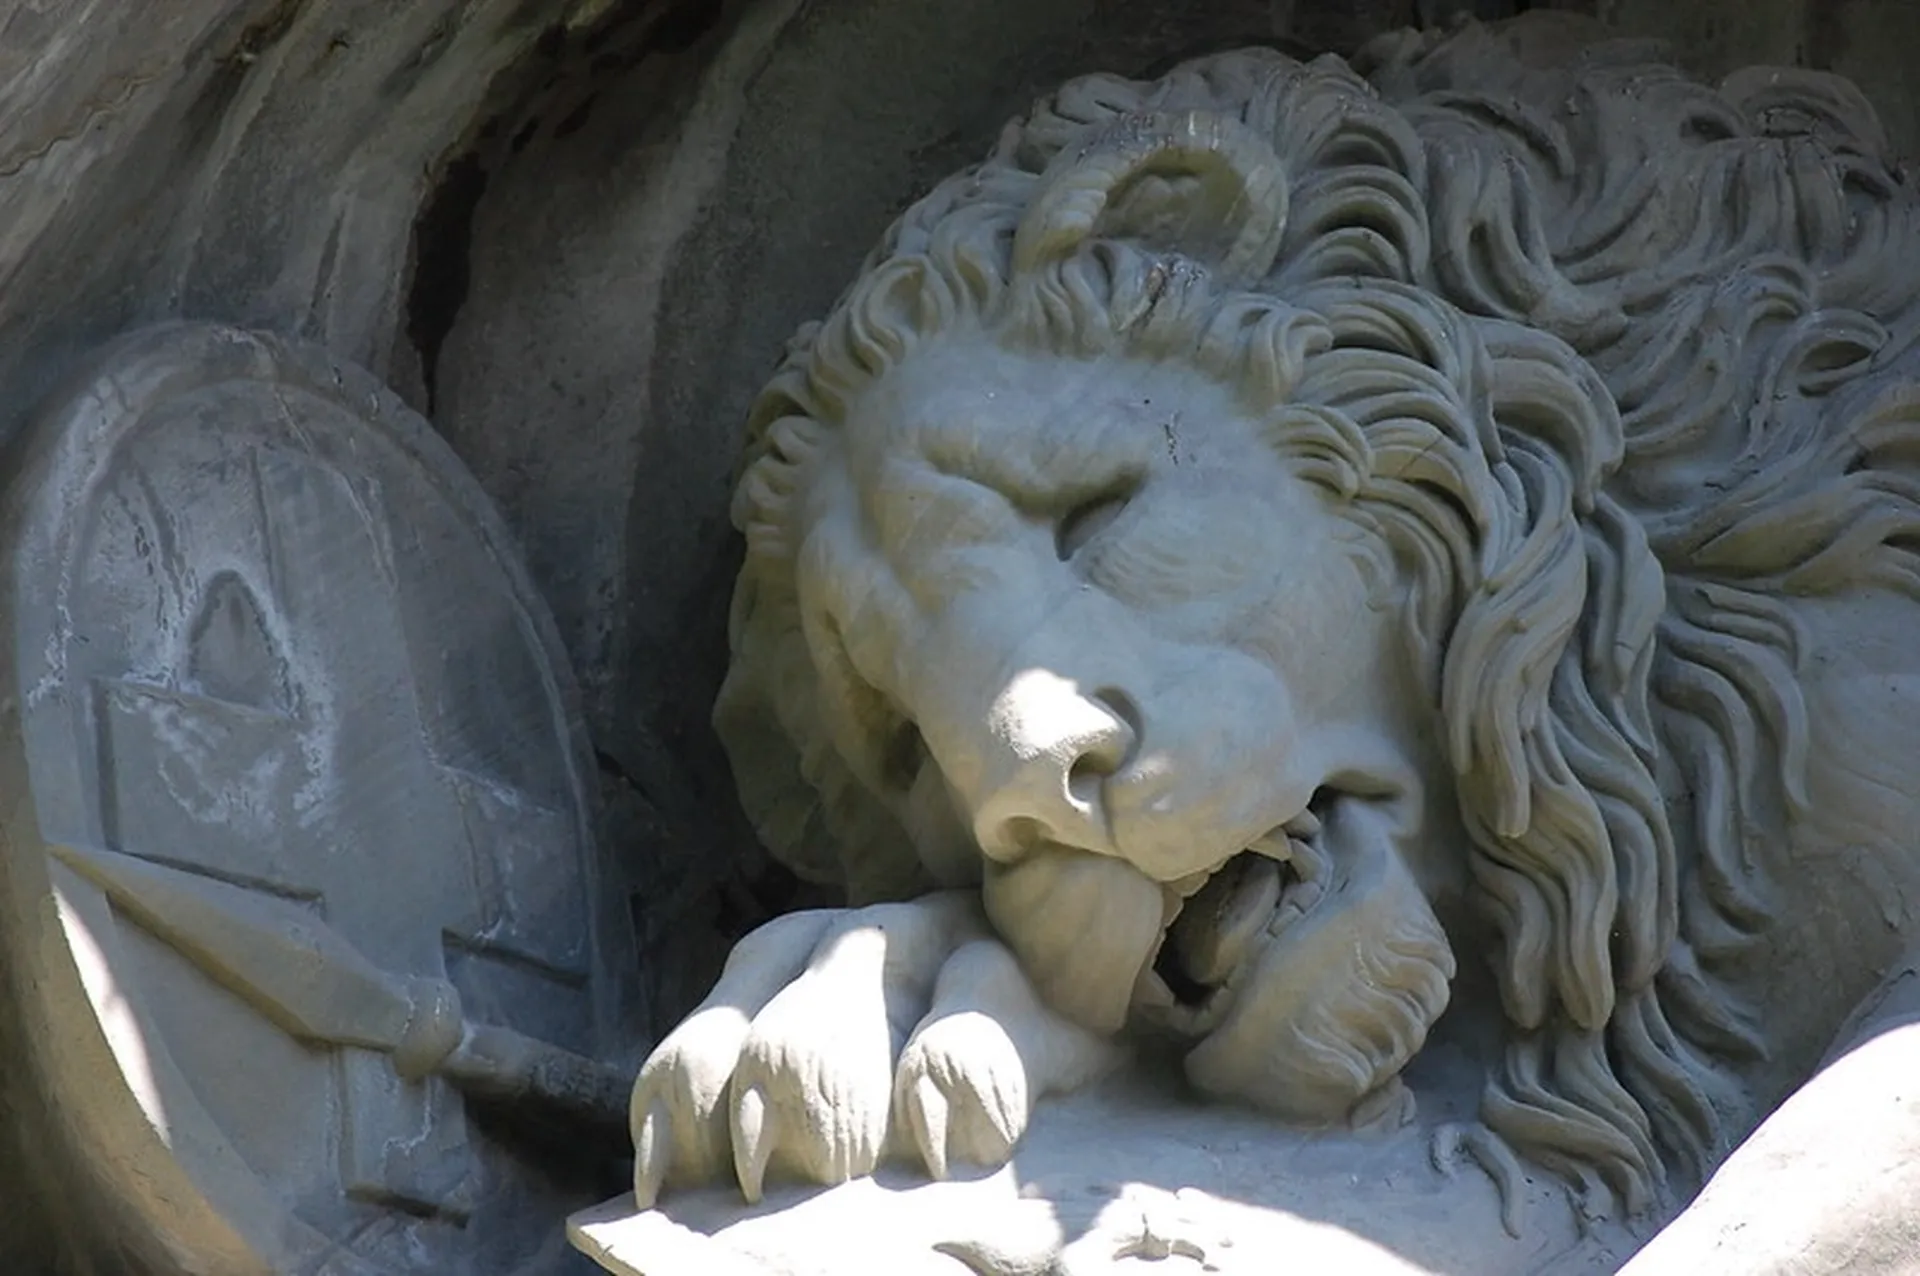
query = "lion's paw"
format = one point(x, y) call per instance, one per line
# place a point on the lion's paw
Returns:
point(961, 1091)
point(988, 1050)
point(679, 1110)
point(801, 1063)
point(814, 1085)
point(788, 1067)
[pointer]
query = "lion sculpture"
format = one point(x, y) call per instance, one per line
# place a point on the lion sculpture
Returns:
point(1278, 545)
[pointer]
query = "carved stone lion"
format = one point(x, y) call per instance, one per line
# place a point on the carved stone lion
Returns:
point(1282, 547)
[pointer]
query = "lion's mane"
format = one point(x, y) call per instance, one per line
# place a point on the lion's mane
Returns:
point(1614, 363)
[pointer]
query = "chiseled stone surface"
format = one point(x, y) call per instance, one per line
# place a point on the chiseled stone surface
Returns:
point(1272, 536)
point(573, 234)
point(302, 907)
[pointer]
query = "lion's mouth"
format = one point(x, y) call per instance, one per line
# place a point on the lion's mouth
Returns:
point(1220, 917)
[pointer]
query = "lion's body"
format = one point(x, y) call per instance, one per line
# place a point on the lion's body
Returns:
point(1617, 376)
point(1847, 876)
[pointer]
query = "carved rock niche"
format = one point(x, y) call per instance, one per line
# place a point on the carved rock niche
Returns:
point(1022, 636)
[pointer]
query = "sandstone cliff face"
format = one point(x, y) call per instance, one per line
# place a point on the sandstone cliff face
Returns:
point(574, 233)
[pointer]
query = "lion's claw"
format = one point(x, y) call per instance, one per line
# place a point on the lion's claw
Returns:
point(651, 1154)
point(925, 1108)
point(752, 1142)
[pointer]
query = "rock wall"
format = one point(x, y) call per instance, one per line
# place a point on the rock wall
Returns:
point(262, 161)
point(575, 233)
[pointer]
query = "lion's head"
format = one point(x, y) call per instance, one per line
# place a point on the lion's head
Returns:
point(1279, 531)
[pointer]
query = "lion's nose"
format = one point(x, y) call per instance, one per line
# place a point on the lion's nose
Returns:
point(1053, 747)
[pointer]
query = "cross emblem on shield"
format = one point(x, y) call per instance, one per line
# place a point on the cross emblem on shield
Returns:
point(300, 792)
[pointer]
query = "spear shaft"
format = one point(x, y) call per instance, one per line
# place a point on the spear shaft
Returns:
point(314, 984)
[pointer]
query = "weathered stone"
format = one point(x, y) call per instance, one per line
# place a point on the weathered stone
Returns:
point(574, 235)
point(1262, 539)
point(300, 867)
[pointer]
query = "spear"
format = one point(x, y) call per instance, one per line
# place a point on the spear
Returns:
point(310, 981)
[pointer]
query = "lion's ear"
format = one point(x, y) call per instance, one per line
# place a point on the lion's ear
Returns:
point(1194, 183)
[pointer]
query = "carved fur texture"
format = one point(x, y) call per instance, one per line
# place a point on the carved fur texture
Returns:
point(1616, 367)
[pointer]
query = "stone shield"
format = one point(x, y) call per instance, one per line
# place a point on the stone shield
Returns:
point(295, 798)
